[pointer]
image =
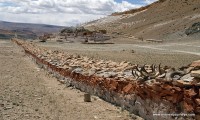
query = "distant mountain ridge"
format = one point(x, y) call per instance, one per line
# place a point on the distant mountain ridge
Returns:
point(26, 30)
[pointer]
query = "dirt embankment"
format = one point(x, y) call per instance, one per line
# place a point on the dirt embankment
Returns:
point(26, 92)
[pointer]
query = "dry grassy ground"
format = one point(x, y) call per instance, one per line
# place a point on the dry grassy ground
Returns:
point(29, 93)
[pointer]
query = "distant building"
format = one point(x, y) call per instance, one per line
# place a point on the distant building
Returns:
point(98, 37)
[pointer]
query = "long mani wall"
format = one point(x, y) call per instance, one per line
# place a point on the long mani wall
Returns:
point(155, 100)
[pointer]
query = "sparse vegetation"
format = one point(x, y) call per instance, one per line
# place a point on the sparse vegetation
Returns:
point(195, 28)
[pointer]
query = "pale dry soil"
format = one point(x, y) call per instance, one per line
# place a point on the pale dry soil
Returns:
point(175, 54)
point(29, 93)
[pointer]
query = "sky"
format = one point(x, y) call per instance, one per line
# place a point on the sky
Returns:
point(63, 12)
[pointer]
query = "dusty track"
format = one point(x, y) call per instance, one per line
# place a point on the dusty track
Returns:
point(26, 92)
point(172, 54)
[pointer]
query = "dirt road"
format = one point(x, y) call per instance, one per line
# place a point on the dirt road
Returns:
point(29, 93)
point(174, 54)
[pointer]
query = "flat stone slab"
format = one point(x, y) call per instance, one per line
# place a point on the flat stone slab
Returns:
point(182, 83)
point(195, 64)
point(195, 74)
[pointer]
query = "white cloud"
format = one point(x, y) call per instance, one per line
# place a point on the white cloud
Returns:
point(59, 12)
point(149, 1)
point(61, 19)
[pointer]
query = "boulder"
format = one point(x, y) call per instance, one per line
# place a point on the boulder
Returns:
point(195, 74)
point(187, 78)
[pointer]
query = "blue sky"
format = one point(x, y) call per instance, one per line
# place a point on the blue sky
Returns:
point(131, 1)
point(142, 2)
point(63, 12)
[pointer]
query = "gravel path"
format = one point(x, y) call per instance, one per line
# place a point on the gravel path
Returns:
point(29, 93)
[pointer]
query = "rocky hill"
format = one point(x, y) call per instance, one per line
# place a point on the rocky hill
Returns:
point(25, 30)
point(164, 19)
point(26, 34)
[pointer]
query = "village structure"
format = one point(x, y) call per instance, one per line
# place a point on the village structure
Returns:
point(80, 33)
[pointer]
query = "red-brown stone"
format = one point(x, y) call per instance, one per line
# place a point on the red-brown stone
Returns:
point(128, 88)
point(147, 93)
point(197, 117)
point(177, 98)
point(170, 98)
point(190, 92)
point(166, 92)
point(197, 110)
point(197, 101)
point(113, 85)
point(157, 88)
point(195, 63)
point(177, 89)
point(167, 87)
point(188, 107)
point(155, 95)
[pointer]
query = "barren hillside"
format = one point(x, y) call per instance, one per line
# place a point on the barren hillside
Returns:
point(25, 30)
point(166, 19)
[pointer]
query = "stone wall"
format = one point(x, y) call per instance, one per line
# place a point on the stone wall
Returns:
point(114, 83)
